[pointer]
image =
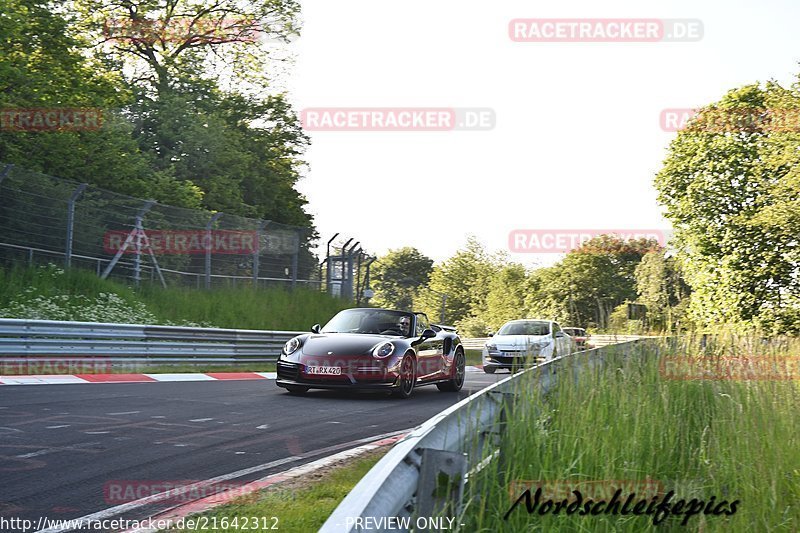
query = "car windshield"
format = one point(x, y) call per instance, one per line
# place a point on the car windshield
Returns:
point(527, 327)
point(370, 321)
point(575, 332)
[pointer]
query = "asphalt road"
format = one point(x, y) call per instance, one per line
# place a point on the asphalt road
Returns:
point(71, 450)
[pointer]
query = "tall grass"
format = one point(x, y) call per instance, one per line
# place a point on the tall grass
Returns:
point(627, 420)
point(244, 307)
point(52, 293)
point(51, 280)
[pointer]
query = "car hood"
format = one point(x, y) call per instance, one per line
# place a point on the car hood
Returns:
point(342, 343)
point(517, 342)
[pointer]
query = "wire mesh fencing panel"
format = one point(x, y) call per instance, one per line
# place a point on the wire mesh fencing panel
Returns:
point(48, 219)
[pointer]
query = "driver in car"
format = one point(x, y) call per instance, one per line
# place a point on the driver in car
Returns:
point(404, 326)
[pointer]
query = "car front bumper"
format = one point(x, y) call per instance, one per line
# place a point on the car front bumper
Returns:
point(294, 374)
point(504, 361)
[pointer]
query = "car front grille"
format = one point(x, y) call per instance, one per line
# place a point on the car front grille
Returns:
point(289, 371)
point(518, 353)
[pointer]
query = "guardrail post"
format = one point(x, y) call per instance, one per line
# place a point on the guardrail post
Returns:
point(210, 223)
point(71, 222)
point(441, 483)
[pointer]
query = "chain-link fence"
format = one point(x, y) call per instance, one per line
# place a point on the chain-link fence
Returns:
point(48, 219)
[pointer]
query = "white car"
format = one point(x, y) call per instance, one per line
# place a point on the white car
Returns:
point(525, 341)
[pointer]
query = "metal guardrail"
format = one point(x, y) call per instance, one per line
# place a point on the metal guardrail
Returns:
point(131, 343)
point(596, 341)
point(407, 481)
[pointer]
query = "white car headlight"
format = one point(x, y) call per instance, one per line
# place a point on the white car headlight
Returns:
point(383, 350)
point(491, 347)
point(291, 346)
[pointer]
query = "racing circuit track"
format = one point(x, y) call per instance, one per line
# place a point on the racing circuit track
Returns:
point(63, 446)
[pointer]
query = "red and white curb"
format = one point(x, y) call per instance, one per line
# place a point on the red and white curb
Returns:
point(73, 379)
point(131, 378)
point(210, 502)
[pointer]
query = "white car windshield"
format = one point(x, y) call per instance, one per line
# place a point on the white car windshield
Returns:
point(527, 327)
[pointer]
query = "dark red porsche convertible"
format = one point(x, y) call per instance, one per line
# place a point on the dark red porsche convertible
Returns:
point(373, 349)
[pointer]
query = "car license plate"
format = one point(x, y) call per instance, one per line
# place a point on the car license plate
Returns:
point(324, 370)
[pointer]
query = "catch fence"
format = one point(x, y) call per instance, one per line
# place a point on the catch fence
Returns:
point(44, 219)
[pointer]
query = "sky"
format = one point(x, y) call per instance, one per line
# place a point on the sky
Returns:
point(577, 138)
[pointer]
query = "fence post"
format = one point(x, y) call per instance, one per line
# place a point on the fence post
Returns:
point(257, 251)
point(295, 257)
point(210, 223)
point(135, 233)
point(139, 228)
point(347, 282)
point(328, 265)
point(71, 222)
point(367, 290)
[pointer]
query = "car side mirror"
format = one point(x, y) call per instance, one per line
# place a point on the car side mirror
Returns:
point(428, 334)
point(316, 328)
point(491, 334)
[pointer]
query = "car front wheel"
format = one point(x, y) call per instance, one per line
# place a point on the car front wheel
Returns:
point(408, 378)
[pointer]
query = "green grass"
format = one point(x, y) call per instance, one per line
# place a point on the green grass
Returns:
point(302, 508)
point(733, 440)
point(52, 293)
point(16, 282)
point(245, 308)
point(474, 357)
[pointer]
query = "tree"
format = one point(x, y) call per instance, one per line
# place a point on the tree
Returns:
point(506, 297)
point(245, 154)
point(549, 296)
point(464, 279)
point(661, 288)
point(592, 280)
point(169, 43)
point(398, 275)
point(42, 66)
point(732, 193)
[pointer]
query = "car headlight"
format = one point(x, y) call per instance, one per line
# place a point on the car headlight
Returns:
point(383, 350)
point(491, 347)
point(291, 346)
